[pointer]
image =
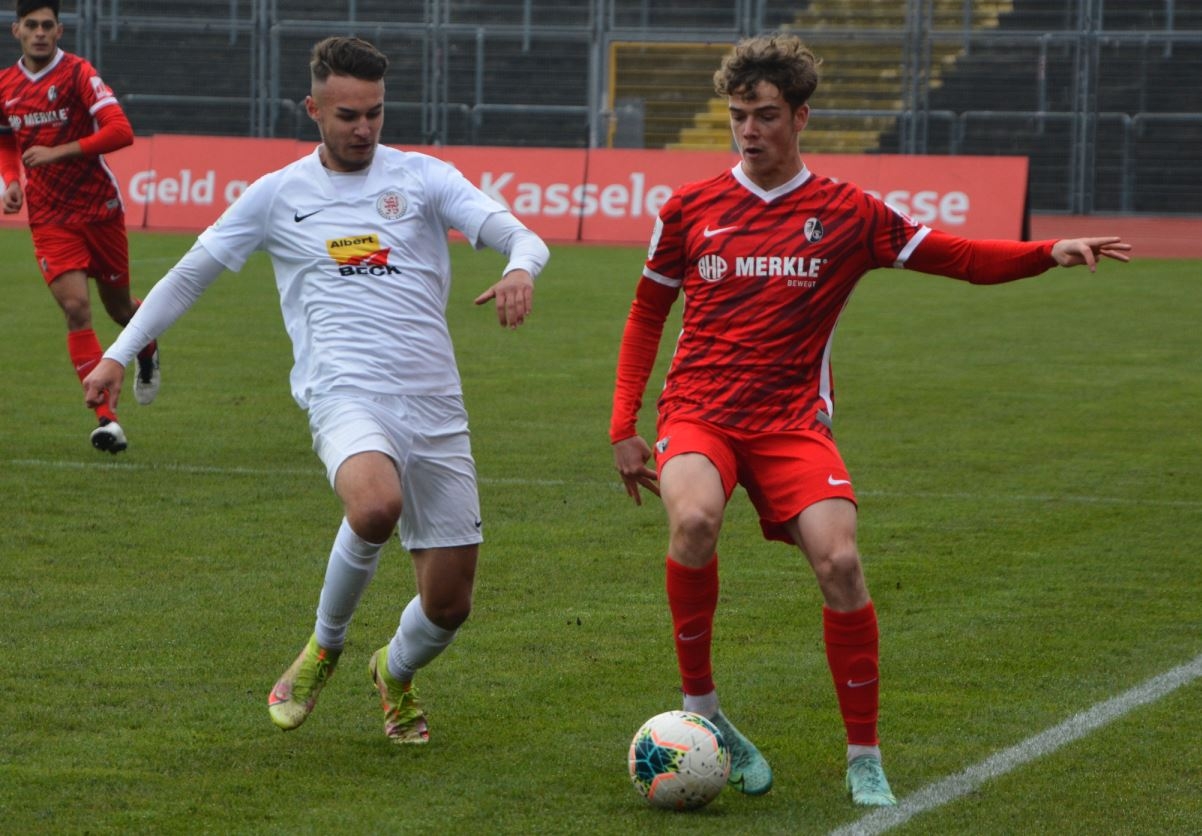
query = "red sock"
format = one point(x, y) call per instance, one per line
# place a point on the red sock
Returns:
point(693, 598)
point(852, 651)
point(85, 353)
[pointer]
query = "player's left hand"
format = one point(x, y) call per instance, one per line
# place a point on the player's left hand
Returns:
point(514, 295)
point(37, 155)
point(1069, 252)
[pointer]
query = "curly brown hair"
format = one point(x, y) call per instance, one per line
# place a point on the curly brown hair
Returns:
point(780, 59)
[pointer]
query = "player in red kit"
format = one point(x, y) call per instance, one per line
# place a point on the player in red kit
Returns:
point(57, 117)
point(766, 256)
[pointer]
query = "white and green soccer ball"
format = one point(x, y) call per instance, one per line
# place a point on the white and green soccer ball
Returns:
point(679, 761)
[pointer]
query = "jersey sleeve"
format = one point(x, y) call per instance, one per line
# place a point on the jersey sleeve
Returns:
point(507, 235)
point(459, 204)
point(636, 355)
point(10, 159)
point(243, 227)
point(167, 301)
point(666, 258)
point(980, 261)
point(891, 234)
point(113, 132)
point(93, 91)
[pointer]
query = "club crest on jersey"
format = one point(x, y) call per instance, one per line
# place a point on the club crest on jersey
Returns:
point(361, 255)
point(813, 230)
point(52, 93)
point(712, 268)
point(391, 205)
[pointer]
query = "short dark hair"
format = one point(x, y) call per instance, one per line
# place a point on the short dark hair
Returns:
point(25, 7)
point(780, 59)
point(353, 57)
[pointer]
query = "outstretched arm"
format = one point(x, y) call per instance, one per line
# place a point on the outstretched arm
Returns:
point(983, 261)
point(527, 256)
point(167, 301)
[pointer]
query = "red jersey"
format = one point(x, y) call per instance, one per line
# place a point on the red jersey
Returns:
point(52, 107)
point(765, 277)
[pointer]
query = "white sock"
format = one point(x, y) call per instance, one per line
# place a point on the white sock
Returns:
point(706, 705)
point(854, 752)
point(417, 642)
point(350, 568)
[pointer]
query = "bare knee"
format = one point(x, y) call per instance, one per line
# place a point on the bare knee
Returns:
point(841, 578)
point(449, 615)
point(375, 519)
point(77, 312)
point(120, 311)
point(694, 533)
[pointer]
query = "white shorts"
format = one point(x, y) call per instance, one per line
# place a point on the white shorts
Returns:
point(428, 439)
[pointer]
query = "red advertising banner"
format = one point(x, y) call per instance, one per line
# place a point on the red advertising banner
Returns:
point(592, 196)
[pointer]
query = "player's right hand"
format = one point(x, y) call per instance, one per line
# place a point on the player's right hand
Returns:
point(13, 198)
point(631, 456)
point(103, 384)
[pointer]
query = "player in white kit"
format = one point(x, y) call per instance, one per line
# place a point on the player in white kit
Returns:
point(357, 235)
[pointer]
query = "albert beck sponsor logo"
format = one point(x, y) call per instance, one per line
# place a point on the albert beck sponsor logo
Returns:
point(361, 255)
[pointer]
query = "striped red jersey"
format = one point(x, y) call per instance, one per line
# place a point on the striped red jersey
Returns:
point(55, 106)
point(765, 276)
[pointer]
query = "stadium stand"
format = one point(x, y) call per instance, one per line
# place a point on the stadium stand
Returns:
point(992, 77)
point(862, 46)
point(1146, 157)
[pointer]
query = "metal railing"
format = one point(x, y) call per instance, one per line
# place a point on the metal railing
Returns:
point(1099, 161)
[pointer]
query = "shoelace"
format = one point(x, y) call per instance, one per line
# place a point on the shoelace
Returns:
point(740, 758)
point(321, 672)
point(870, 775)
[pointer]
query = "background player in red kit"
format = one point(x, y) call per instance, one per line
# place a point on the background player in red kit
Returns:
point(57, 117)
point(766, 255)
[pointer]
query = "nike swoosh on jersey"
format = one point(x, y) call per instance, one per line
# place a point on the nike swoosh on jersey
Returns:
point(710, 233)
point(831, 480)
point(10, 102)
point(298, 217)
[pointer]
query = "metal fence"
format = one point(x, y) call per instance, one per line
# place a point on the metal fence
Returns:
point(1105, 97)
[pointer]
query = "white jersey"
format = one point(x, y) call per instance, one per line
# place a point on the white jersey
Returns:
point(363, 278)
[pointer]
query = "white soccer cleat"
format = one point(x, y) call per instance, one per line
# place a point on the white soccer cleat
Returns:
point(146, 383)
point(109, 437)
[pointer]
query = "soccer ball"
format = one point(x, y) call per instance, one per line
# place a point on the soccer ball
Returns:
point(679, 761)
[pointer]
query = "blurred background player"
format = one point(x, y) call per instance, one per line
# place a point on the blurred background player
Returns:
point(766, 255)
point(57, 117)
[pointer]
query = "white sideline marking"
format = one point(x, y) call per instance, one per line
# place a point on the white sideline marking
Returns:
point(1044, 743)
point(316, 471)
point(615, 484)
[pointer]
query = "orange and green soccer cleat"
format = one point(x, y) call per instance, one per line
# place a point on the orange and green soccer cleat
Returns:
point(404, 719)
point(292, 699)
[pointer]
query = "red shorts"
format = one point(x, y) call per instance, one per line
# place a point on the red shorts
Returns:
point(784, 472)
point(100, 249)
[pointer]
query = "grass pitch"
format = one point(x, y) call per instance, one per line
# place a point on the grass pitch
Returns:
point(1030, 474)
